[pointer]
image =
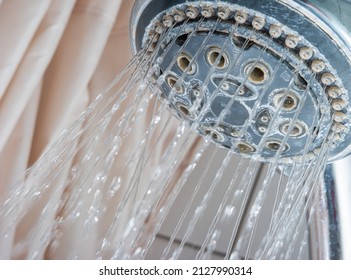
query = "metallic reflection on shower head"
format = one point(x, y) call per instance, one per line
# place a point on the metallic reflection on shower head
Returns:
point(266, 79)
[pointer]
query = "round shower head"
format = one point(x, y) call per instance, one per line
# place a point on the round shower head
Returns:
point(266, 79)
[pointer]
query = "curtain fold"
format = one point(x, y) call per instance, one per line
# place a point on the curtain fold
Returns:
point(19, 22)
point(50, 70)
point(22, 90)
point(54, 46)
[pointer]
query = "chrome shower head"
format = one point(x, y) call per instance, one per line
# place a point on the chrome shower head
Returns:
point(266, 79)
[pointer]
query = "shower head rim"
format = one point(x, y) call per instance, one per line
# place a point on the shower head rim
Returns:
point(327, 23)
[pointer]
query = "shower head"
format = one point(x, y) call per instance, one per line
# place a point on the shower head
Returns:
point(266, 79)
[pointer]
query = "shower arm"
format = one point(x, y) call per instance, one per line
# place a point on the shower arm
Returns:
point(338, 186)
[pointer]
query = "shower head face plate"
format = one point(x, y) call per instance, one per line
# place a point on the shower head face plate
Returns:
point(237, 100)
point(248, 82)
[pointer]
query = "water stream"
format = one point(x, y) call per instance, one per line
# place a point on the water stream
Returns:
point(129, 180)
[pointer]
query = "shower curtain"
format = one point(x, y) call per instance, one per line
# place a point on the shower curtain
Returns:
point(55, 58)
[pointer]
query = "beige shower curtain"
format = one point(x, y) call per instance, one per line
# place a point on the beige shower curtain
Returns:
point(55, 57)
